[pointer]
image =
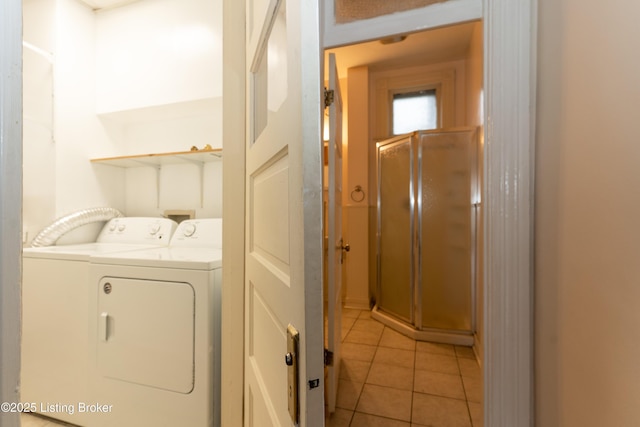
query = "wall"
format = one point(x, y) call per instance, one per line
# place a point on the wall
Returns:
point(356, 173)
point(78, 132)
point(158, 52)
point(167, 100)
point(159, 90)
point(587, 210)
point(39, 165)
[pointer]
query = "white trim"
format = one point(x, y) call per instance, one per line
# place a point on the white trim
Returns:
point(436, 15)
point(233, 212)
point(10, 203)
point(509, 57)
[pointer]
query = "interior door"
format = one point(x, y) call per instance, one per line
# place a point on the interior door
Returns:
point(284, 372)
point(335, 240)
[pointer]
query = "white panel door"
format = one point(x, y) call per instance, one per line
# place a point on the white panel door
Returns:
point(283, 277)
point(335, 254)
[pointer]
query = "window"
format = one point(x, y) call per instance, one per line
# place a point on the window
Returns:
point(414, 111)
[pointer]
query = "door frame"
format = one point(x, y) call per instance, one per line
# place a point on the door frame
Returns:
point(10, 203)
point(510, 33)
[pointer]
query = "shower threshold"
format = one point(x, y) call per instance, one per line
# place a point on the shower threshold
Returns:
point(431, 335)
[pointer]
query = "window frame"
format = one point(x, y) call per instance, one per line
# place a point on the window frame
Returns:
point(445, 78)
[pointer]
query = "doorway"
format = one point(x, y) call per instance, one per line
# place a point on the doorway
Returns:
point(447, 61)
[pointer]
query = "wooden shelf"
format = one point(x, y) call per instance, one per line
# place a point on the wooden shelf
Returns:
point(156, 161)
point(159, 159)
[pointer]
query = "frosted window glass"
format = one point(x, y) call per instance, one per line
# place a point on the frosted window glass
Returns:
point(270, 82)
point(414, 111)
point(277, 61)
point(446, 239)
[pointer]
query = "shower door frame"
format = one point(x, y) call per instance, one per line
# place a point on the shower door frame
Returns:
point(382, 145)
point(415, 319)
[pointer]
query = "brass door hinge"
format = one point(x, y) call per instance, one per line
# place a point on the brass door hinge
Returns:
point(328, 97)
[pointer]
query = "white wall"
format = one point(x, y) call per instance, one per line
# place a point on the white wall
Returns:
point(168, 100)
point(159, 78)
point(39, 163)
point(587, 211)
point(158, 52)
point(78, 133)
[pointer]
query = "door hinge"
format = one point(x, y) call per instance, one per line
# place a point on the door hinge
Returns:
point(328, 97)
point(328, 357)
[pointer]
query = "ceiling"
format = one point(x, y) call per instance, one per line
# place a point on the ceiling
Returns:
point(432, 46)
point(106, 4)
point(439, 45)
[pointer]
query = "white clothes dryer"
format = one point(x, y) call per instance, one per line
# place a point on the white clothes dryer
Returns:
point(154, 331)
point(55, 301)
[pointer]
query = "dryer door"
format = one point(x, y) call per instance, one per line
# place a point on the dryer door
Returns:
point(146, 332)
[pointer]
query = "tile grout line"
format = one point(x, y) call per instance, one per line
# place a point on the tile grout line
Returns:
point(353, 416)
point(466, 396)
point(413, 379)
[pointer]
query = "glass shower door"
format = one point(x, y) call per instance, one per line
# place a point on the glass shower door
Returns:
point(447, 185)
point(395, 227)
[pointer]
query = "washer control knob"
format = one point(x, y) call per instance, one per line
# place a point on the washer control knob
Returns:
point(112, 226)
point(121, 227)
point(154, 228)
point(189, 230)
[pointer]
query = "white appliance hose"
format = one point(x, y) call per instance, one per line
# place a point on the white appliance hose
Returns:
point(61, 226)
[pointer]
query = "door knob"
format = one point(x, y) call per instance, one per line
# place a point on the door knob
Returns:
point(346, 247)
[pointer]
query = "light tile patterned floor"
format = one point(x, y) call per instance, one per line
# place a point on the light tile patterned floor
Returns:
point(389, 380)
point(30, 420)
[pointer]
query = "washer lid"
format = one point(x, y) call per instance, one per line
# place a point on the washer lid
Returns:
point(80, 252)
point(180, 258)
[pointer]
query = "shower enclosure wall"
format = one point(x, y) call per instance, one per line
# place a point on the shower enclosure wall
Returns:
point(427, 202)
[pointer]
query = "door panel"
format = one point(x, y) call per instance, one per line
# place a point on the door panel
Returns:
point(395, 228)
point(335, 239)
point(446, 181)
point(283, 89)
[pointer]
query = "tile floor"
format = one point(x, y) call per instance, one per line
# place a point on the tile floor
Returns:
point(389, 380)
point(30, 420)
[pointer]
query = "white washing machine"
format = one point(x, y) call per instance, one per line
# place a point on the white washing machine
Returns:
point(55, 301)
point(154, 331)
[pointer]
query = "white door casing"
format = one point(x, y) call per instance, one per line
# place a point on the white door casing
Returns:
point(335, 239)
point(283, 275)
point(10, 203)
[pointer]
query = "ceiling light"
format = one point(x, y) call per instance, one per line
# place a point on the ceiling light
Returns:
point(394, 39)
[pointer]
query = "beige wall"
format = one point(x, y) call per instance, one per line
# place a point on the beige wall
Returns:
point(356, 212)
point(587, 275)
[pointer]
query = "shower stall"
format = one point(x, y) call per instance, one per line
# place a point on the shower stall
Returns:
point(427, 206)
